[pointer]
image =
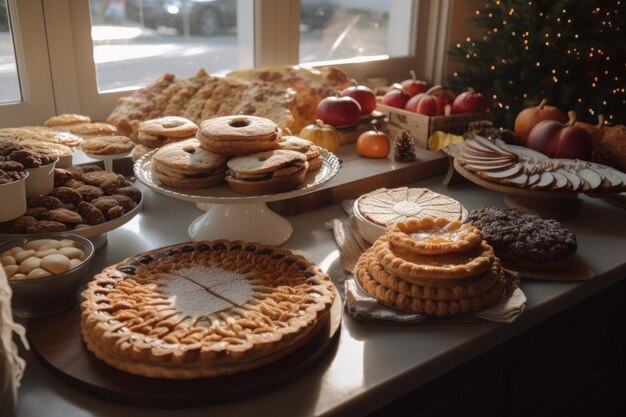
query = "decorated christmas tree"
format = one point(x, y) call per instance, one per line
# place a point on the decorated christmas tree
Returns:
point(572, 52)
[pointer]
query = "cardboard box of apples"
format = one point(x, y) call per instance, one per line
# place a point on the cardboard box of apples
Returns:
point(421, 109)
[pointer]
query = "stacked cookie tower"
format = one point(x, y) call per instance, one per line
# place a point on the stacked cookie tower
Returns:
point(248, 152)
point(432, 266)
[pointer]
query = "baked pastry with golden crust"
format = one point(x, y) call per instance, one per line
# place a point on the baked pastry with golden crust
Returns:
point(267, 172)
point(444, 270)
point(425, 305)
point(186, 165)
point(94, 129)
point(239, 135)
point(155, 133)
point(310, 150)
point(388, 206)
point(204, 309)
point(475, 288)
point(67, 119)
point(106, 145)
point(430, 236)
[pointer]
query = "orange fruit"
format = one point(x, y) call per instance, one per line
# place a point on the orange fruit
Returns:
point(373, 144)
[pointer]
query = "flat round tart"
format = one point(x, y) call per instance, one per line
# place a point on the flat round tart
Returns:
point(204, 309)
point(388, 206)
point(426, 306)
point(443, 270)
point(528, 240)
point(430, 236)
point(482, 284)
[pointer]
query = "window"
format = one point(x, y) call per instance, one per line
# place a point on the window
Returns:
point(136, 41)
point(354, 30)
point(26, 93)
point(9, 80)
point(78, 56)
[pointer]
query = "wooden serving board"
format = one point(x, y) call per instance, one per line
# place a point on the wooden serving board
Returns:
point(57, 341)
point(358, 175)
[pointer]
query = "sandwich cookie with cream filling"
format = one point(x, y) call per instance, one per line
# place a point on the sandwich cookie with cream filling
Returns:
point(267, 172)
point(239, 135)
point(155, 133)
point(186, 165)
point(310, 150)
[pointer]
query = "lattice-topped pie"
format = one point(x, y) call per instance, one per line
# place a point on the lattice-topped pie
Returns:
point(204, 309)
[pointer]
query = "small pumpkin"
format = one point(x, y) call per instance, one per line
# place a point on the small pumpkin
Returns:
point(322, 134)
point(530, 116)
point(595, 131)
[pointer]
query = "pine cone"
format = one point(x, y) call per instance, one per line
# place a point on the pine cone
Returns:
point(404, 149)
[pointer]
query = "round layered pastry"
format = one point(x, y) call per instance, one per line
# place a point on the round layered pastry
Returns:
point(432, 266)
point(204, 309)
point(239, 135)
point(526, 240)
point(267, 172)
point(385, 207)
point(186, 165)
point(158, 132)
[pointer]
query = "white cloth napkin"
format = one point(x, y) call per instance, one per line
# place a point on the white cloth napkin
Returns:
point(363, 307)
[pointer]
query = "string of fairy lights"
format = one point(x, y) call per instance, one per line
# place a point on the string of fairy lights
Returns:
point(550, 37)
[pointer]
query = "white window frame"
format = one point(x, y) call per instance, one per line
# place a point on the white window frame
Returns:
point(29, 40)
point(71, 75)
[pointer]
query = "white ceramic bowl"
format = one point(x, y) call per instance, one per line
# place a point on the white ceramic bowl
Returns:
point(13, 197)
point(40, 180)
point(46, 296)
point(371, 231)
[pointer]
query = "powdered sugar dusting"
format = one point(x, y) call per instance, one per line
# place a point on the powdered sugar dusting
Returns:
point(202, 291)
point(208, 276)
point(191, 299)
point(238, 290)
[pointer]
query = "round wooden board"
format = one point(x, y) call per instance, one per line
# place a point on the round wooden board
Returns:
point(553, 204)
point(58, 342)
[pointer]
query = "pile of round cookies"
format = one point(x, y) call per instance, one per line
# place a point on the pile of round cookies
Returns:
point(41, 258)
point(61, 133)
point(248, 152)
point(432, 266)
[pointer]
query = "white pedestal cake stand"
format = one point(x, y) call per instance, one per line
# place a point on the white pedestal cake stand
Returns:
point(236, 216)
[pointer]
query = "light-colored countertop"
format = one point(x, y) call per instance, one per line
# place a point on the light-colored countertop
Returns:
point(373, 364)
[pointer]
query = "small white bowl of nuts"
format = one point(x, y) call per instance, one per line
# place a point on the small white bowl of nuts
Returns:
point(45, 271)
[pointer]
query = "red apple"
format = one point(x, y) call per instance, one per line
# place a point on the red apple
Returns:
point(470, 102)
point(339, 111)
point(363, 95)
point(446, 95)
point(413, 85)
point(427, 103)
point(396, 97)
point(560, 140)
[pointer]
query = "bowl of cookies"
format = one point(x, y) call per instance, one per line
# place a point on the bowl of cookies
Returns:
point(383, 207)
point(45, 271)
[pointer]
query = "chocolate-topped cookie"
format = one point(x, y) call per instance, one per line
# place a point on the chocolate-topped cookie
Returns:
point(528, 240)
